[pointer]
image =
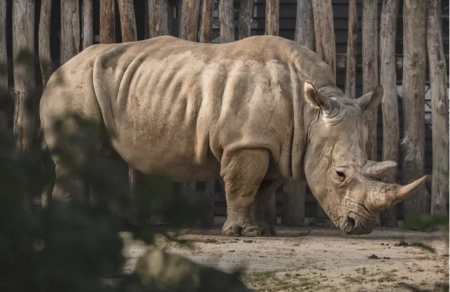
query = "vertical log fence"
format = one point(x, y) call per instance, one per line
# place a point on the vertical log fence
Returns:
point(388, 76)
point(414, 62)
point(230, 20)
point(439, 99)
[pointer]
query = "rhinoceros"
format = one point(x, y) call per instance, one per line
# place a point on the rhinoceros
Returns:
point(254, 112)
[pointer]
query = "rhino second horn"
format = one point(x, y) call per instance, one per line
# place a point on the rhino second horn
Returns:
point(377, 169)
point(385, 195)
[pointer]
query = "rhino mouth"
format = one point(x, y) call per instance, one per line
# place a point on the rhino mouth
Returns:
point(355, 225)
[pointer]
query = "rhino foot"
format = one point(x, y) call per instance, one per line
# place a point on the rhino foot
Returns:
point(236, 230)
point(266, 229)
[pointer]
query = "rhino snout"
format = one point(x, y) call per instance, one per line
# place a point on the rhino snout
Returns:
point(353, 226)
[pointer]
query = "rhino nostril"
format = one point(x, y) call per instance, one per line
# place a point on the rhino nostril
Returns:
point(350, 225)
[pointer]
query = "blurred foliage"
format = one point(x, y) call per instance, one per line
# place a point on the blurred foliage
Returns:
point(75, 246)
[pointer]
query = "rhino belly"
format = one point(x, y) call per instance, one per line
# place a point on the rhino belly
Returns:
point(168, 154)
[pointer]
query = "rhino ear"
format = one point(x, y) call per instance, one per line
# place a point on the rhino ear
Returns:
point(371, 100)
point(316, 99)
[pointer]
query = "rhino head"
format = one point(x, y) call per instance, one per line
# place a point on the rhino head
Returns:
point(346, 184)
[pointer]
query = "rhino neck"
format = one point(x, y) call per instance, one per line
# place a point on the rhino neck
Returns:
point(305, 117)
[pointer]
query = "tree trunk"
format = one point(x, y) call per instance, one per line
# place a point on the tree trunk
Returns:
point(272, 17)
point(207, 19)
point(107, 22)
point(45, 58)
point(350, 76)
point(324, 32)
point(391, 128)
point(439, 107)
point(414, 68)
point(88, 24)
point(158, 23)
point(294, 193)
point(70, 30)
point(3, 66)
point(127, 20)
point(370, 69)
point(245, 18)
point(189, 20)
point(226, 18)
point(24, 78)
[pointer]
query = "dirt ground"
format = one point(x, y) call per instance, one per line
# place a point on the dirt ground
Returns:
point(318, 259)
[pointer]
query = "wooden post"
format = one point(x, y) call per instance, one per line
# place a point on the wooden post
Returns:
point(226, 19)
point(88, 24)
point(294, 193)
point(272, 17)
point(107, 22)
point(70, 30)
point(158, 23)
point(324, 32)
point(128, 30)
point(206, 37)
point(388, 75)
point(439, 107)
point(245, 18)
point(293, 204)
point(350, 74)
point(3, 65)
point(304, 27)
point(206, 23)
point(3, 48)
point(272, 28)
point(24, 78)
point(414, 69)
point(127, 20)
point(45, 59)
point(370, 69)
point(190, 10)
point(189, 20)
point(325, 44)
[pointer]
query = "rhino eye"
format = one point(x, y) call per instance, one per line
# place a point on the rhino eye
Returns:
point(341, 175)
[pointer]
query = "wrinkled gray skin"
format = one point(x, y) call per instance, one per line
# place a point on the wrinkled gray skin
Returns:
point(254, 112)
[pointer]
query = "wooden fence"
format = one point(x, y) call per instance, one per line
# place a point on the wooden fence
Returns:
point(35, 25)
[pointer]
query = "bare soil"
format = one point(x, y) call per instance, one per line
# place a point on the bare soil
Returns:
point(318, 259)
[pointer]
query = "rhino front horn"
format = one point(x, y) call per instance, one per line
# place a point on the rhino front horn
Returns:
point(384, 195)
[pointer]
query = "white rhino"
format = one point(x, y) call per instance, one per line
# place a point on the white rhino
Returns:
point(254, 112)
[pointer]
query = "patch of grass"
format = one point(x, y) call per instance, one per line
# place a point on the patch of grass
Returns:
point(387, 277)
point(357, 279)
point(274, 282)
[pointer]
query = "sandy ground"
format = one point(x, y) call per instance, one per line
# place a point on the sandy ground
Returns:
point(318, 259)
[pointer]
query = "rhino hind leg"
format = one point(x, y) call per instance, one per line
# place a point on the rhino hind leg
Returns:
point(242, 172)
point(71, 145)
point(261, 205)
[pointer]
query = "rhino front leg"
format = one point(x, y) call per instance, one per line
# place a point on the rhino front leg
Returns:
point(261, 205)
point(242, 172)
